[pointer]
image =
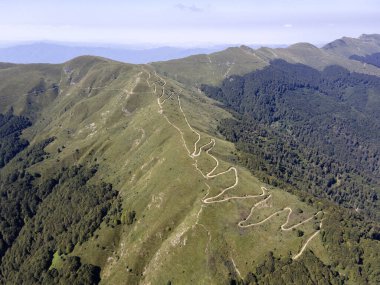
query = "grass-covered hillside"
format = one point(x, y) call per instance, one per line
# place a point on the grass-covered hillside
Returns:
point(214, 68)
point(125, 177)
point(121, 174)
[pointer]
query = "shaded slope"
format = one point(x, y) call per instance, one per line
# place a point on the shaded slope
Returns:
point(373, 59)
point(11, 144)
point(321, 125)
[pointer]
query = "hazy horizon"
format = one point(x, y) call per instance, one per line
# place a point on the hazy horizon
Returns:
point(138, 46)
point(185, 23)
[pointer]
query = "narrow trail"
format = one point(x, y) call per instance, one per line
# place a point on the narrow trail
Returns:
point(236, 269)
point(198, 150)
point(225, 75)
point(307, 242)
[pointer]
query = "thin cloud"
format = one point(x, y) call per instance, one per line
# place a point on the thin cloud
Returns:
point(288, 26)
point(190, 8)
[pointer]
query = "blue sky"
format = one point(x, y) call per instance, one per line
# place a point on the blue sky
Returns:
point(187, 23)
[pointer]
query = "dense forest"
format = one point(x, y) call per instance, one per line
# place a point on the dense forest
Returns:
point(316, 131)
point(10, 131)
point(373, 59)
point(40, 216)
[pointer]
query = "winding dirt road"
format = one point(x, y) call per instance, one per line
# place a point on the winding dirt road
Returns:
point(197, 151)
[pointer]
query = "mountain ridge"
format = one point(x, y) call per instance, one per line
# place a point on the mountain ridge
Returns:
point(240, 60)
point(59, 53)
point(129, 174)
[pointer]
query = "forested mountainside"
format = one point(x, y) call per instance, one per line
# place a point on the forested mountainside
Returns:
point(373, 59)
point(311, 131)
point(112, 173)
point(10, 131)
point(48, 204)
point(315, 130)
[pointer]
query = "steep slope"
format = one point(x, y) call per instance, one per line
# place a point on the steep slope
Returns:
point(339, 99)
point(373, 59)
point(364, 49)
point(25, 85)
point(57, 170)
point(138, 158)
point(364, 45)
point(334, 113)
point(197, 238)
point(122, 174)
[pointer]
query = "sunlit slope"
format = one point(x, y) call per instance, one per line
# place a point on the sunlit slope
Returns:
point(187, 209)
point(364, 45)
point(21, 84)
point(213, 68)
point(317, 58)
point(188, 212)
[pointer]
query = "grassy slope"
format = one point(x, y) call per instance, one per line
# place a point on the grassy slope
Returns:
point(18, 80)
point(364, 45)
point(108, 112)
point(167, 242)
point(213, 68)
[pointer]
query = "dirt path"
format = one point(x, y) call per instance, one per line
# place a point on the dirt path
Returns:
point(298, 255)
point(283, 226)
point(197, 151)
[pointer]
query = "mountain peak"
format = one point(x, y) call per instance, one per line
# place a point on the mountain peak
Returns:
point(303, 45)
point(370, 37)
point(364, 45)
point(246, 48)
point(335, 44)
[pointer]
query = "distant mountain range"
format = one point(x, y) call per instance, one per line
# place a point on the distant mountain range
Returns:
point(59, 53)
point(44, 52)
